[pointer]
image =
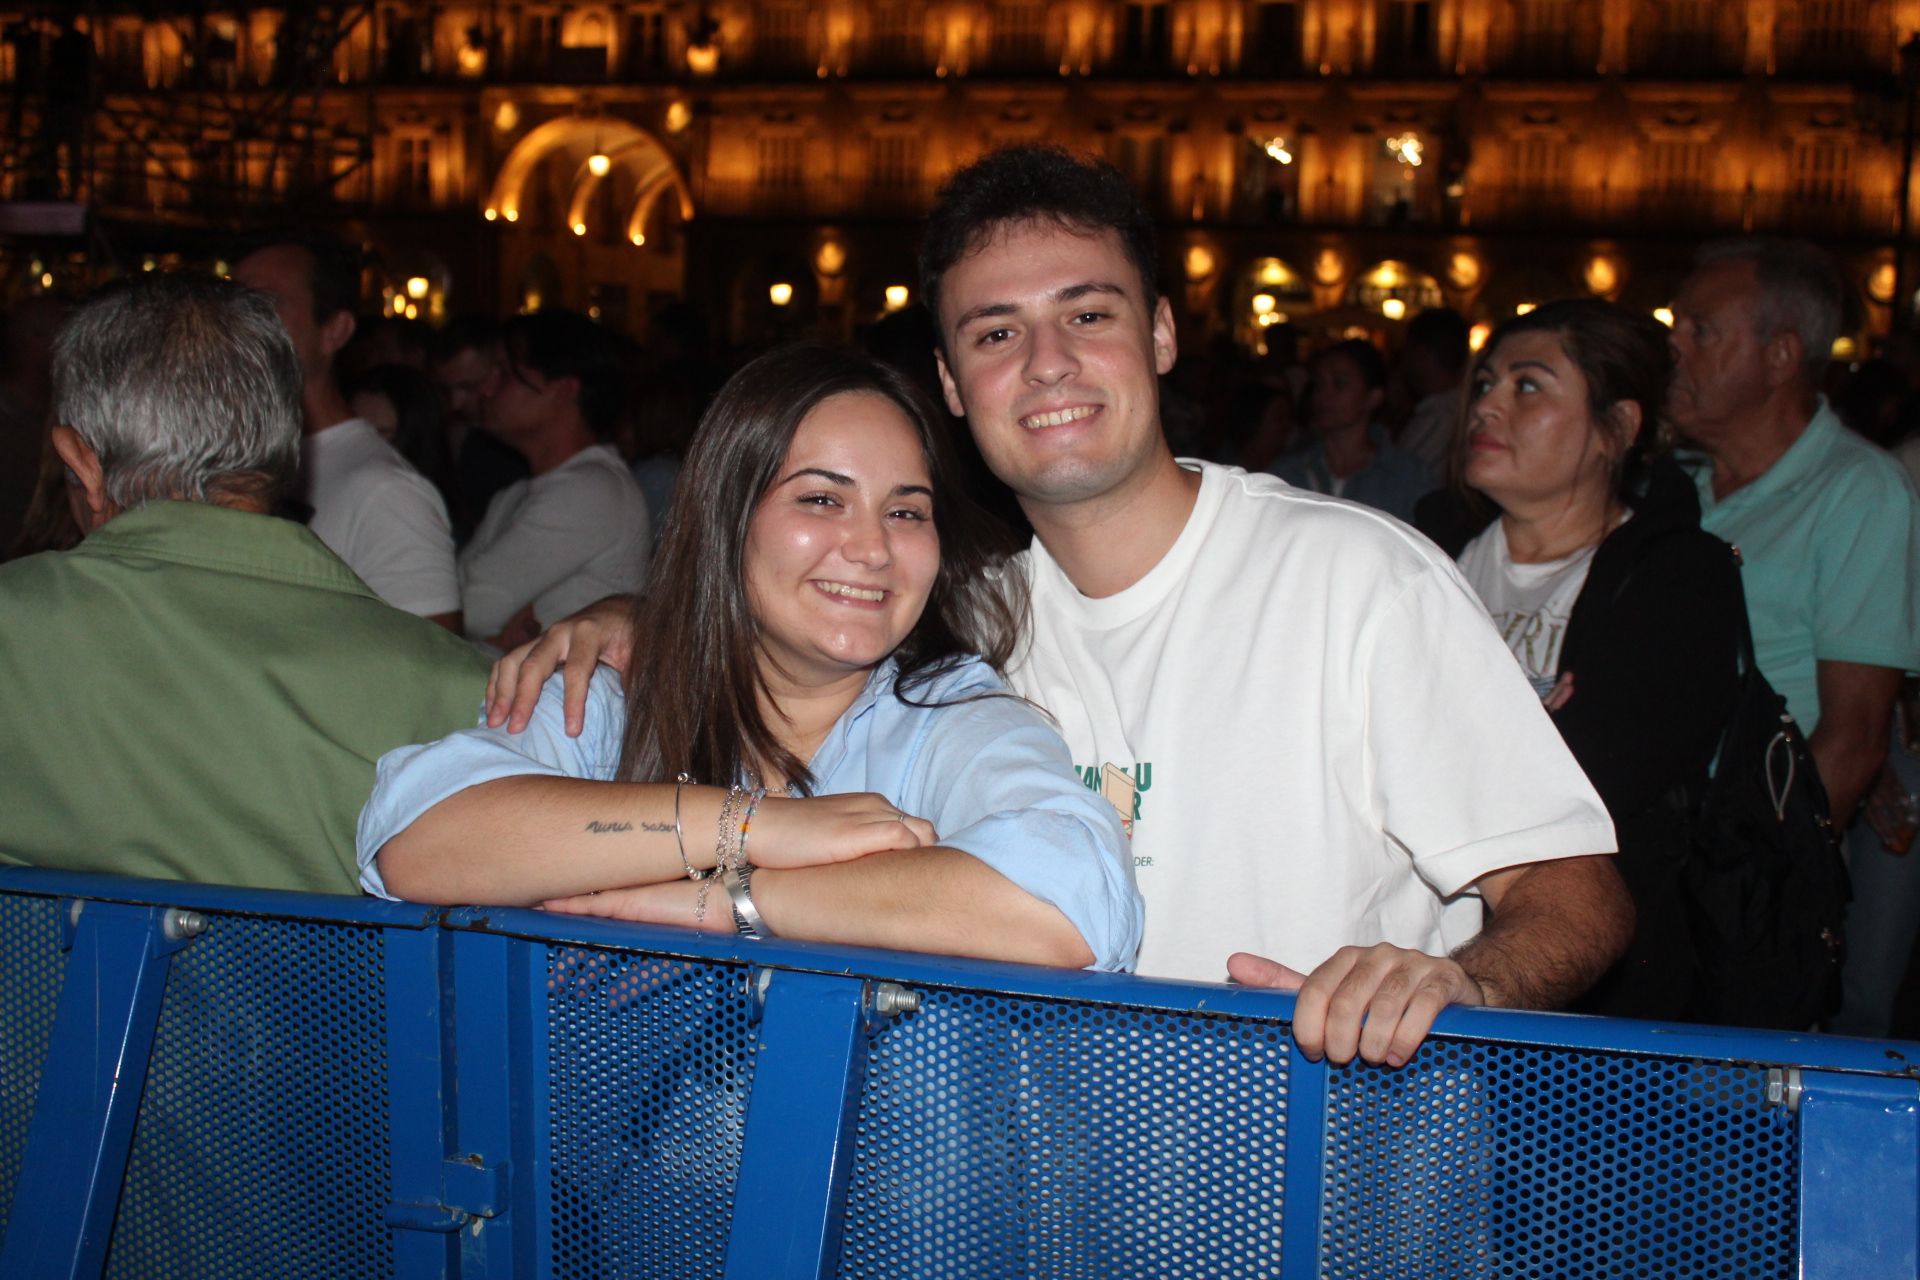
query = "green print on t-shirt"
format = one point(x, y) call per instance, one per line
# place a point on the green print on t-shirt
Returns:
point(1124, 787)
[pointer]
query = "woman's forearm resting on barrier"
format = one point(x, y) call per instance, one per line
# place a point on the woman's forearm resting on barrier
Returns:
point(519, 841)
point(937, 900)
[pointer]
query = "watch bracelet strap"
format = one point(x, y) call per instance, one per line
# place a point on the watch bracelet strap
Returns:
point(746, 917)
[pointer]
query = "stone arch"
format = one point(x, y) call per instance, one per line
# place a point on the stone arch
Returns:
point(628, 148)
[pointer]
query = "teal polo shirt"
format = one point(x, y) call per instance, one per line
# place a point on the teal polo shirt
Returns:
point(202, 694)
point(1830, 543)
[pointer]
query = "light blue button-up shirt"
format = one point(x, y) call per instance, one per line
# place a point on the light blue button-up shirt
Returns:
point(991, 775)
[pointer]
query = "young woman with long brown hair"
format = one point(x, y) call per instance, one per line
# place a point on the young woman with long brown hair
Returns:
point(814, 741)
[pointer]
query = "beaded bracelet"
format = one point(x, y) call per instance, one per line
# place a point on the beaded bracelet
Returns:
point(746, 823)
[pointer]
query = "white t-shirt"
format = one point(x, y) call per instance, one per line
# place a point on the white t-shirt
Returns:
point(380, 515)
point(1313, 733)
point(1530, 603)
point(559, 542)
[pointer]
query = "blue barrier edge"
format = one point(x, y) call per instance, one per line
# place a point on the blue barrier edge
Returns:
point(228, 899)
point(1513, 1026)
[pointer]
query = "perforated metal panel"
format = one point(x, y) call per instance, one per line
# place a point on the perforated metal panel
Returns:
point(261, 1148)
point(1001, 1137)
point(31, 968)
point(651, 1066)
point(1541, 1164)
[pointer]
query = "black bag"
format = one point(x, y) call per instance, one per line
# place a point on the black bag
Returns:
point(1767, 890)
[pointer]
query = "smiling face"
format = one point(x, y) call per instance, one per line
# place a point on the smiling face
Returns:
point(1531, 436)
point(1053, 355)
point(842, 551)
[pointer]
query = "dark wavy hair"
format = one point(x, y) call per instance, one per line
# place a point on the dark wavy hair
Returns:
point(1031, 182)
point(1623, 355)
point(694, 687)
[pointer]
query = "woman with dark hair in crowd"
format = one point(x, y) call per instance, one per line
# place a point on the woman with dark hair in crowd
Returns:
point(405, 408)
point(1351, 455)
point(1584, 540)
point(814, 740)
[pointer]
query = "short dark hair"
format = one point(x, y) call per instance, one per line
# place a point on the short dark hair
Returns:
point(1032, 182)
point(565, 344)
point(335, 278)
point(1442, 333)
point(465, 333)
point(1365, 356)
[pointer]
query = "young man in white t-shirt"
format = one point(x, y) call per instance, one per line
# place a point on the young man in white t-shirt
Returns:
point(1322, 749)
point(1325, 751)
point(370, 506)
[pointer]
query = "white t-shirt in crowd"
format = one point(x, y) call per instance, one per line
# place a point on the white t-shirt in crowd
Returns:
point(1312, 732)
point(380, 515)
point(559, 542)
point(1530, 603)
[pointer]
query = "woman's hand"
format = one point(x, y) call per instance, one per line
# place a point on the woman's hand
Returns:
point(601, 632)
point(815, 830)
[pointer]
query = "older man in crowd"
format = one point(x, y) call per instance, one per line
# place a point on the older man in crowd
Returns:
point(200, 689)
point(1829, 531)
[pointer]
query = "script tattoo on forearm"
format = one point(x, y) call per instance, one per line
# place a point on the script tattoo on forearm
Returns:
point(608, 828)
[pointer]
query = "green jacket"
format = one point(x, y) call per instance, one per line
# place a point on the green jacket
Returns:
point(201, 694)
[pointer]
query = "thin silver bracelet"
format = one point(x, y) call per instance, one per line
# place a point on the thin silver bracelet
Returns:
point(679, 835)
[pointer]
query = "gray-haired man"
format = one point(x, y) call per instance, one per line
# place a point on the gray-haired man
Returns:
point(199, 690)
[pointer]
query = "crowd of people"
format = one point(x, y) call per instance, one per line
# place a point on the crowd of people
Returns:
point(788, 672)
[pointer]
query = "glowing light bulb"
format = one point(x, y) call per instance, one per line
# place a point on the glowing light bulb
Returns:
point(1478, 335)
point(511, 215)
point(417, 287)
point(1393, 308)
point(637, 239)
point(491, 213)
point(1664, 315)
point(579, 228)
point(1524, 308)
point(780, 293)
point(896, 296)
point(1264, 303)
point(598, 164)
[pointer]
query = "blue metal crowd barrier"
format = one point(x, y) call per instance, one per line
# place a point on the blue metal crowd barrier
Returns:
point(211, 1082)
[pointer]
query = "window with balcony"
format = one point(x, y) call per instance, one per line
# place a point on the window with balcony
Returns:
point(646, 43)
point(780, 43)
point(1142, 157)
point(894, 162)
point(1674, 185)
point(1269, 185)
point(1019, 40)
point(897, 43)
point(1403, 39)
point(1820, 169)
point(1145, 42)
point(782, 158)
point(1684, 37)
point(1542, 37)
point(413, 170)
point(1823, 37)
point(1273, 44)
point(1542, 179)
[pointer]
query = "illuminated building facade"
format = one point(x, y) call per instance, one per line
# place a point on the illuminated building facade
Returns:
point(1334, 162)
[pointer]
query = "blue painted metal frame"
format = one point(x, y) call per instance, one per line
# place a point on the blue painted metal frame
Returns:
point(76, 1153)
point(793, 1173)
point(465, 1028)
